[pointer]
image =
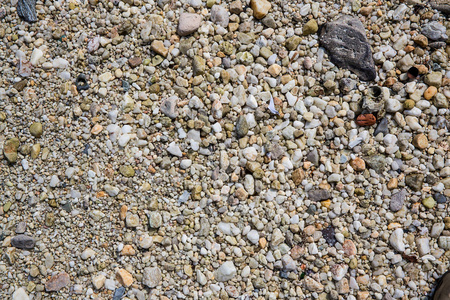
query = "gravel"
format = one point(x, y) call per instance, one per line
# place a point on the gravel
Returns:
point(245, 149)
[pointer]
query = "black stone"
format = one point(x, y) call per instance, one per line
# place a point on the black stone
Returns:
point(81, 83)
point(440, 198)
point(413, 72)
point(329, 235)
point(23, 241)
point(347, 45)
point(382, 127)
point(26, 9)
point(319, 195)
point(313, 156)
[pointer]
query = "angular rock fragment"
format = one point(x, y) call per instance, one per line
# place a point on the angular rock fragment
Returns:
point(347, 45)
point(26, 9)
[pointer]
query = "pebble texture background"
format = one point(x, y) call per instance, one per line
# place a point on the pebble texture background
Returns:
point(247, 149)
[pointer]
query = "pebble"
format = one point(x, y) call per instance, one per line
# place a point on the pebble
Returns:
point(57, 282)
point(188, 23)
point(152, 277)
point(225, 272)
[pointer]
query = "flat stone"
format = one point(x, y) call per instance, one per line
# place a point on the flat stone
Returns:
point(124, 277)
point(441, 5)
point(188, 23)
point(220, 16)
point(152, 277)
point(57, 282)
point(169, 107)
point(20, 294)
point(397, 200)
point(23, 241)
point(319, 195)
point(260, 8)
point(225, 272)
point(241, 127)
point(26, 9)
point(10, 148)
point(346, 42)
point(414, 181)
point(158, 47)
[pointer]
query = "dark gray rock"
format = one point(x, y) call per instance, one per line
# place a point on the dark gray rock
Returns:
point(441, 5)
point(313, 156)
point(382, 127)
point(241, 127)
point(414, 181)
point(319, 195)
point(23, 241)
point(440, 198)
point(346, 43)
point(26, 9)
point(397, 200)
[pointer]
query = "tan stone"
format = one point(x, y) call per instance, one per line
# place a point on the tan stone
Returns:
point(392, 184)
point(421, 40)
point(260, 8)
point(124, 277)
point(358, 164)
point(158, 47)
point(349, 248)
point(274, 70)
point(123, 212)
point(96, 129)
point(297, 176)
point(430, 92)
point(128, 250)
point(420, 141)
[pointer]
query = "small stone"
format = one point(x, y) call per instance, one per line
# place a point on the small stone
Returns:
point(253, 236)
point(429, 202)
point(23, 241)
point(310, 27)
point(293, 42)
point(127, 171)
point(220, 16)
point(349, 248)
point(158, 47)
point(241, 127)
point(124, 277)
point(98, 281)
point(155, 219)
point(434, 79)
point(414, 181)
point(313, 285)
point(174, 149)
point(10, 148)
point(397, 200)
point(225, 272)
point(421, 40)
point(132, 220)
point(236, 7)
point(420, 141)
point(396, 240)
point(152, 277)
point(169, 107)
point(188, 23)
point(319, 195)
point(366, 120)
point(96, 129)
point(434, 31)
point(57, 282)
point(260, 8)
point(36, 129)
point(134, 61)
point(198, 65)
point(87, 253)
point(358, 164)
point(297, 176)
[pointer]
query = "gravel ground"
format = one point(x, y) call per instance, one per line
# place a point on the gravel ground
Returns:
point(250, 149)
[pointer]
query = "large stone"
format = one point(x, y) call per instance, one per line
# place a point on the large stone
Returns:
point(346, 42)
point(434, 31)
point(20, 294)
point(152, 277)
point(124, 277)
point(26, 9)
point(441, 5)
point(23, 241)
point(57, 282)
point(260, 8)
point(220, 16)
point(199, 65)
point(10, 148)
point(226, 271)
point(241, 127)
point(414, 181)
point(188, 23)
